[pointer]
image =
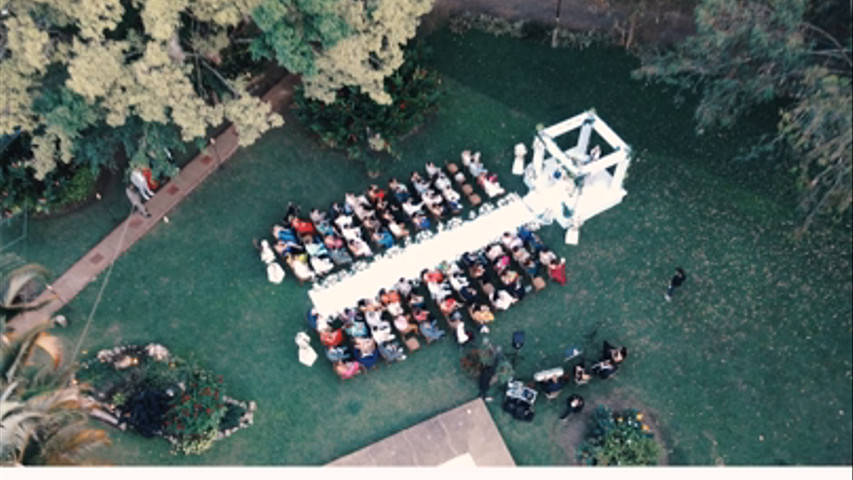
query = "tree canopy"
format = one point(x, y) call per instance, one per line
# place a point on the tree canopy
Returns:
point(337, 43)
point(749, 52)
point(71, 69)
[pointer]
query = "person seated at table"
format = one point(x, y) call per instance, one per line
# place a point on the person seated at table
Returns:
point(375, 194)
point(403, 324)
point(501, 299)
point(421, 221)
point(357, 202)
point(420, 314)
point(615, 354)
point(298, 263)
point(452, 205)
point(419, 183)
point(313, 246)
point(335, 210)
point(321, 264)
point(317, 216)
point(477, 271)
point(401, 191)
point(581, 376)
point(448, 305)
point(511, 242)
point(347, 369)
point(432, 170)
point(359, 248)
point(325, 228)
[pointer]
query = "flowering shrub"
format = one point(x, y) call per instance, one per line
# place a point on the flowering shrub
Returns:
point(619, 438)
point(159, 394)
point(194, 416)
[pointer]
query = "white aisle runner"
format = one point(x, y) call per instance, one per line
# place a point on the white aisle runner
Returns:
point(446, 245)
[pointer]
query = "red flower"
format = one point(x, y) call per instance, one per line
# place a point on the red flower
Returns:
point(219, 379)
point(206, 391)
point(208, 410)
point(403, 105)
point(180, 427)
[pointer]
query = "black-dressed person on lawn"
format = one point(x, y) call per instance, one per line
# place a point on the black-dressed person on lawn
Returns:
point(676, 282)
point(574, 404)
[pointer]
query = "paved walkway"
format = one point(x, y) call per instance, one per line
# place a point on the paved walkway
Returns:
point(456, 438)
point(93, 263)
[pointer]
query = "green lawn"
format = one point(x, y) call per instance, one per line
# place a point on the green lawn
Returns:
point(756, 345)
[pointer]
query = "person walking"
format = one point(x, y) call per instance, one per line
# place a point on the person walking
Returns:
point(136, 201)
point(676, 282)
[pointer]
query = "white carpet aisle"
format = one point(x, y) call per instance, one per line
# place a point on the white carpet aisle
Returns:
point(446, 245)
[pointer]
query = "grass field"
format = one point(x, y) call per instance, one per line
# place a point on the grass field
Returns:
point(749, 364)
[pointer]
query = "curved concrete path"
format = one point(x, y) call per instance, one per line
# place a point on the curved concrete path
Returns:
point(93, 263)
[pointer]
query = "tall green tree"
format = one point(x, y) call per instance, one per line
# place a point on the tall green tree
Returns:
point(339, 43)
point(749, 52)
point(71, 69)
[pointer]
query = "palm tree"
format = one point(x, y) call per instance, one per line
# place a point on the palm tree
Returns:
point(43, 412)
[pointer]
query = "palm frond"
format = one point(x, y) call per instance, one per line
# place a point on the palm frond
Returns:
point(15, 283)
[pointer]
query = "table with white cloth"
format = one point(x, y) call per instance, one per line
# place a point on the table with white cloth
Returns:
point(446, 245)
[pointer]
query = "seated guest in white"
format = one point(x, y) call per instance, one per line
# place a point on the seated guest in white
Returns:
point(411, 208)
point(511, 241)
point(359, 247)
point(317, 216)
point(432, 170)
point(489, 182)
point(403, 286)
point(501, 299)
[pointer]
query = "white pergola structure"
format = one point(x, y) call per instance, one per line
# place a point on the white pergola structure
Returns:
point(577, 184)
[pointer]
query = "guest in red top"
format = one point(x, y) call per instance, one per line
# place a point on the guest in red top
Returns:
point(557, 271)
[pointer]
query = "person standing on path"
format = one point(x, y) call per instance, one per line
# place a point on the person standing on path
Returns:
point(676, 282)
point(136, 201)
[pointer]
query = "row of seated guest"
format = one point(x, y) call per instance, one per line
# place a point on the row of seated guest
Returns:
point(442, 294)
point(547, 259)
point(303, 248)
point(487, 181)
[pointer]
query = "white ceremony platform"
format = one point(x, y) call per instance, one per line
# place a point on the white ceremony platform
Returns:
point(446, 245)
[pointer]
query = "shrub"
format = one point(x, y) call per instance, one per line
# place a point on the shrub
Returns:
point(194, 416)
point(618, 438)
point(364, 129)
